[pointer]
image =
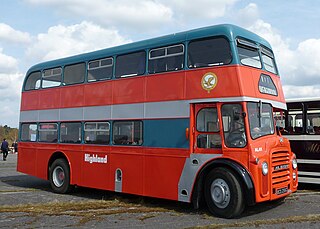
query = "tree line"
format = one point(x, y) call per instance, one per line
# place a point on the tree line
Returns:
point(11, 134)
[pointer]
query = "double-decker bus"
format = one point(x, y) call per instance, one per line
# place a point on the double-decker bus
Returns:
point(186, 117)
point(302, 128)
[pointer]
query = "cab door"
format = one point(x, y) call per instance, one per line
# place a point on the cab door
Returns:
point(206, 129)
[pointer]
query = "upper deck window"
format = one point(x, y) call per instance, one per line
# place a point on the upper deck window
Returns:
point(248, 53)
point(33, 81)
point(209, 52)
point(100, 69)
point(132, 64)
point(268, 60)
point(74, 73)
point(51, 77)
point(166, 59)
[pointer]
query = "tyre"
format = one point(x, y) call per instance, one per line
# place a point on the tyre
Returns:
point(60, 176)
point(223, 193)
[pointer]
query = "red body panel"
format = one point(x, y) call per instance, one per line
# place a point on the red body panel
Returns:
point(233, 81)
point(149, 172)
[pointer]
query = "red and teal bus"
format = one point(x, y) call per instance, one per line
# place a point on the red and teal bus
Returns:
point(185, 117)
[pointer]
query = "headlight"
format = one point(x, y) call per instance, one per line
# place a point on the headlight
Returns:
point(264, 168)
point(294, 176)
point(294, 164)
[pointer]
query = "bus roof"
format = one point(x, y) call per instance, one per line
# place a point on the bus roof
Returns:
point(227, 30)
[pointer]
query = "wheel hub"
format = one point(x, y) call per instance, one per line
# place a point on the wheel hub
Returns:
point(58, 176)
point(220, 193)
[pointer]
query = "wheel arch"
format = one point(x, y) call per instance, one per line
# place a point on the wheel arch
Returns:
point(240, 172)
point(57, 155)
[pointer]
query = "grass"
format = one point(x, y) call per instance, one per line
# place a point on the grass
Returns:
point(86, 210)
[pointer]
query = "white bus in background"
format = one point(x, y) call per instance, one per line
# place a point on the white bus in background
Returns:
point(302, 128)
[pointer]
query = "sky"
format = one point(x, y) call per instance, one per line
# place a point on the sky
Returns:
point(33, 31)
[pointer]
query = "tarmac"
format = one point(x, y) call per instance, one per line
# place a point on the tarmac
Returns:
point(28, 202)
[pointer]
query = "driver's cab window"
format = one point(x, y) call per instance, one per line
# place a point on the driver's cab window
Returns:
point(208, 129)
point(233, 126)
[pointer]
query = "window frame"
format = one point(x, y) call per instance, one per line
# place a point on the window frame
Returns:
point(41, 130)
point(123, 121)
point(101, 67)
point(81, 132)
point(166, 57)
point(166, 51)
point(51, 69)
point(231, 122)
point(21, 134)
point(206, 133)
point(268, 53)
point(211, 64)
point(28, 77)
point(96, 130)
point(74, 64)
point(248, 46)
point(132, 74)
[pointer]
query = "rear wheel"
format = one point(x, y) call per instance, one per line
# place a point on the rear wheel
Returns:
point(223, 193)
point(60, 176)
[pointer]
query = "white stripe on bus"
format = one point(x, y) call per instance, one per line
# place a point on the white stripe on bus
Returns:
point(151, 110)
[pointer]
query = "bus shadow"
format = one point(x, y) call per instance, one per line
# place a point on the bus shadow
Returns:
point(262, 207)
point(26, 182)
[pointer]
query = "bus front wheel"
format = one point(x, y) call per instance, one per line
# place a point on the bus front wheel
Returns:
point(223, 193)
point(60, 176)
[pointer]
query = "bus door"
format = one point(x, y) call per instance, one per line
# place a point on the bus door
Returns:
point(206, 129)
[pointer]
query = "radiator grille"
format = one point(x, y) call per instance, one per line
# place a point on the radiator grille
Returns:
point(280, 168)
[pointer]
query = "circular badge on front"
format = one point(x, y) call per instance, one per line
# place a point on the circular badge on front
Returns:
point(209, 81)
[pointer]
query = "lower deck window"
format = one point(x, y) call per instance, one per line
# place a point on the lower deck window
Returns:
point(29, 132)
point(127, 133)
point(97, 132)
point(70, 132)
point(48, 132)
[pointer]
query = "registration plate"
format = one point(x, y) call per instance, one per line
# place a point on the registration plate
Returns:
point(281, 191)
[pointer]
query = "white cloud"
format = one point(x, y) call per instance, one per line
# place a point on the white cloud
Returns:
point(8, 64)
point(7, 33)
point(248, 14)
point(308, 56)
point(140, 15)
point(204, 9)
point(61, 41)
point(10, 91)
point(292, 91)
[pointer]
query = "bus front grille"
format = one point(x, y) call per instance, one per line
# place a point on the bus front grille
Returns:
point(280, 163)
